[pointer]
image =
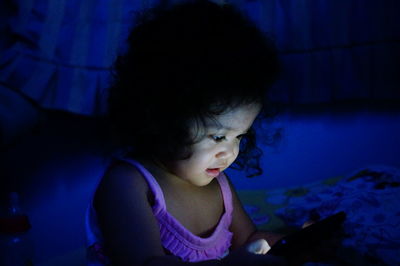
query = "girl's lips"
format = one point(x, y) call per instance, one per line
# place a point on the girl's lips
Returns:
point(214, 172)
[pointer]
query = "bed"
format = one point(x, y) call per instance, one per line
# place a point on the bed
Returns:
point(369, 196)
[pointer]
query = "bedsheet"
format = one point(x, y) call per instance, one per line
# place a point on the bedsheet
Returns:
point(369, 196)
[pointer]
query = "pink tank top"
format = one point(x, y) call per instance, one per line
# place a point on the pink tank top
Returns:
point(175, 238)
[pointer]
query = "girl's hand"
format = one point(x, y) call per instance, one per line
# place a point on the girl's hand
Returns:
point(259, 247)
point(253, 254)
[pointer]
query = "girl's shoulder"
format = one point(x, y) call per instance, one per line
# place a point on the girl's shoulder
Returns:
point(121, 178)
point(125, 215)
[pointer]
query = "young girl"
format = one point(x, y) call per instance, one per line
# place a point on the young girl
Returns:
point(185, 96)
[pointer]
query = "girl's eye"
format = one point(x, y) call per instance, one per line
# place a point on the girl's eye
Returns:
point(241, 136)
point(221, 138)
point(217, 138)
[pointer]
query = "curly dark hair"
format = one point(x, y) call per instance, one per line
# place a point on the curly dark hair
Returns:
point(187, 63)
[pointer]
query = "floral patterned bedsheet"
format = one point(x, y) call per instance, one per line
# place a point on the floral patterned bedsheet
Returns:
point(370, 197)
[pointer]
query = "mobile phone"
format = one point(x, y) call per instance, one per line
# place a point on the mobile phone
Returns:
point(309, 236)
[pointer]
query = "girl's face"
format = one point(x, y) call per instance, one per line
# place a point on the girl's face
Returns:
point(219, 147)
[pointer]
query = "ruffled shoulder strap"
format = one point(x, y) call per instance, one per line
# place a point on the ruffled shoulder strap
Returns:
point(159, 201)
point(226, 193)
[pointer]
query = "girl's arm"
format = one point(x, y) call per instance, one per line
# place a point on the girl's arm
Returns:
point(129, 228)
point(271, 237)
point(243, 228)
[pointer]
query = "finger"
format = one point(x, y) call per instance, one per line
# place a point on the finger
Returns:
point(307, 223)
point(259, 246)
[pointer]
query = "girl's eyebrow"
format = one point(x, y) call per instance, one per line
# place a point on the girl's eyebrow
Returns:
point(228, 128)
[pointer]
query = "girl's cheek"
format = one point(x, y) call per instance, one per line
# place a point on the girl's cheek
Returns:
point(235, 154)
point(236, 149)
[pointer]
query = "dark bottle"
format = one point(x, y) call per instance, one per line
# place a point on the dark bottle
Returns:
point(16, 249)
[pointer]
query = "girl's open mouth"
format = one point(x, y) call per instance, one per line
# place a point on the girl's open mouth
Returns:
point(214, 172)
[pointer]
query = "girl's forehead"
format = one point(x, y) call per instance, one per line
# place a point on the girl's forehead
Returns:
point(235, 118)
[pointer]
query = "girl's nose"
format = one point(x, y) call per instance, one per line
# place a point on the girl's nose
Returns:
point(227, 151)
